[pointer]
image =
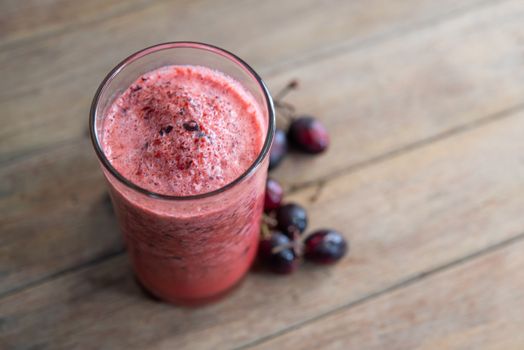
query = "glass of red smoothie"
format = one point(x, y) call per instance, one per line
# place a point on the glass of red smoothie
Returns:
point(183, 132)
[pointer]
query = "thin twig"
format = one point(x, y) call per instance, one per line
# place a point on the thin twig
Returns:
point(292, 85)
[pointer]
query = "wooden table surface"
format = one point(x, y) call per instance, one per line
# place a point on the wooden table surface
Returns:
point(424, 100)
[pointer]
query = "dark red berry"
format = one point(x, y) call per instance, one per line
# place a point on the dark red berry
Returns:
point(308, 134)
point(291, 218)
point(136, 88)
point(278, 148)
point(191, 126)
point(325, 247)
point(274, 194)
point(166, 130)
point(278, 254)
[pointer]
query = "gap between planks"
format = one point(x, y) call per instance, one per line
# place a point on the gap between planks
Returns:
point(394, 287)
point(72, 269)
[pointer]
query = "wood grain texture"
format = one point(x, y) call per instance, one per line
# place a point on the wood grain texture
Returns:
point(378, 119)
point(404, 216)
point(368, 117)
point(387, 97)
point(475, 306)
point(424, 103)
point(59, 73)
point(30, 18)
point(54, 215)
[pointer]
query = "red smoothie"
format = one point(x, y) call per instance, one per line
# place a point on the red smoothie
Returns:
point(184, 131)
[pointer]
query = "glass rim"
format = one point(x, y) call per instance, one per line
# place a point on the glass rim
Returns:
point(170, 45)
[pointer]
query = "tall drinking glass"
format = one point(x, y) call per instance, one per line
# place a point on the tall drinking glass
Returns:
point(187, 249)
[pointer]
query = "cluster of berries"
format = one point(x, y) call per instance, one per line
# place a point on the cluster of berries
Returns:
point(283, 244)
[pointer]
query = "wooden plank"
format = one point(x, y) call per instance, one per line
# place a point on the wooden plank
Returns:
point(24, 19)
point(36, 200)
point(58, 74)
point(409, 89)
point(404, 216)
point(474, 306)
point(54, 216)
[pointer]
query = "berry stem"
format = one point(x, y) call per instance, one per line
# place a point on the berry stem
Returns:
point(295, 245)
point(285, 110)
point(265, 232)
point(269, 221)
point(292, 85)
point(297, 240)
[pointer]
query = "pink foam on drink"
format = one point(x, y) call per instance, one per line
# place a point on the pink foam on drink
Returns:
point(183, 130)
